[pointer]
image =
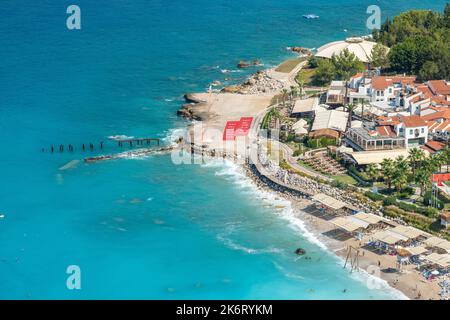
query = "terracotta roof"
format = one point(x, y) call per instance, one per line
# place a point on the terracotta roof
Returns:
point(388, 121)
point(404, 79)
point(435, 145)
point(440, 100)
point(432, 125)
point(439, 87)
point(445, 114)
point(424, 89)
point(385, 131)
point(413, 121)
point(444, 126)
point(382, 82)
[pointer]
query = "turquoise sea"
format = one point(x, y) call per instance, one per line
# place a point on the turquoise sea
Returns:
point(146, 228)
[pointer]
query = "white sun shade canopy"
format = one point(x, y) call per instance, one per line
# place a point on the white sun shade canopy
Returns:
point(361, 48)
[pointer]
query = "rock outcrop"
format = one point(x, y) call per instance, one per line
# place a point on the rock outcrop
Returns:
point(301, 50)
point(188, 111)
point(243, 64)
point(232, 89)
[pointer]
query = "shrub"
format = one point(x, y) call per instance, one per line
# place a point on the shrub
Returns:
point(297, 153)
point(361, 175)
point(339, 184)
point(313, 62)
point(373, 196)
point(390, 201)
point(428, 199)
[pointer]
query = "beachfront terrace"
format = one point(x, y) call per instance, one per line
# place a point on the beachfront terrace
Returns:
point(362, 140)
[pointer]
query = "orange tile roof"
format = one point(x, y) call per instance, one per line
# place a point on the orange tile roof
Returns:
point(385, 131)
point(383, 82)
point(413, 121)
point(435, 145)
point(439, 87)
point(388, 121)
point(432, 125)
point(440, 100)
point(444, 114)
point(444, 126)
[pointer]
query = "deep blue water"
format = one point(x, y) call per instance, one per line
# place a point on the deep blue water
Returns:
point(146, 228)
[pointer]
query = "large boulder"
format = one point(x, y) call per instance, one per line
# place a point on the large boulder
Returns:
point(243, 64)
point(232, 89)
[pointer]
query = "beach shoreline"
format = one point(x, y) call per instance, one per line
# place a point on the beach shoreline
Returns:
point(213, 110)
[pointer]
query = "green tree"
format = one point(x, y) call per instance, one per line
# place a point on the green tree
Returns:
point(401, 173)
point(346, 64)
point(388, 169)
point(300, 79)
point(325, 72)
point(350, 109)
point(372, 172)
point(313, 62)
point(284, 95)
point(446, 17)
point(435, 162)
point(429, 71)
point(445, 156)
point(422, 178)
point(416, 157)
point(379, 56)
point(420, 43)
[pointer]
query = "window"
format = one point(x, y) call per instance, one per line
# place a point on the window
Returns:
point(423, 130)
point(410, 131)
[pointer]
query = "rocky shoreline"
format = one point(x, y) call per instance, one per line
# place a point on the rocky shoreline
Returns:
point(190, 108)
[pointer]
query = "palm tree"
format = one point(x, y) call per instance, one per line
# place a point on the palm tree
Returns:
point(372, 172)
point(350, 109)
point(422, 178)
point(363, 103)
point(401, 173)
point(388, 169)
point(416, 157)
point(292, 93)
point(445, 153)
point(436, 161)
point(284, 93)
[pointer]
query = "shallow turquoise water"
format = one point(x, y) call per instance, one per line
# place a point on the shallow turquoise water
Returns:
point(146, 228)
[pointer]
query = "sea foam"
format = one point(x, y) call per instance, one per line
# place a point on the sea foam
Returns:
point(236, 174)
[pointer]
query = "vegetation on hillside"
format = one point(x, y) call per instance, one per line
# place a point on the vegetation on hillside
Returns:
point(419, 42)
point(339, 67)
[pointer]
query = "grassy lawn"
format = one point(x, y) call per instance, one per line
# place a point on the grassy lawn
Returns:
point(307, 74)
point(289, 65)
point(345, 178)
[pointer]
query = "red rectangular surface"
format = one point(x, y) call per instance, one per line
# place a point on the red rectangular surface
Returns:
point(237, 128)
